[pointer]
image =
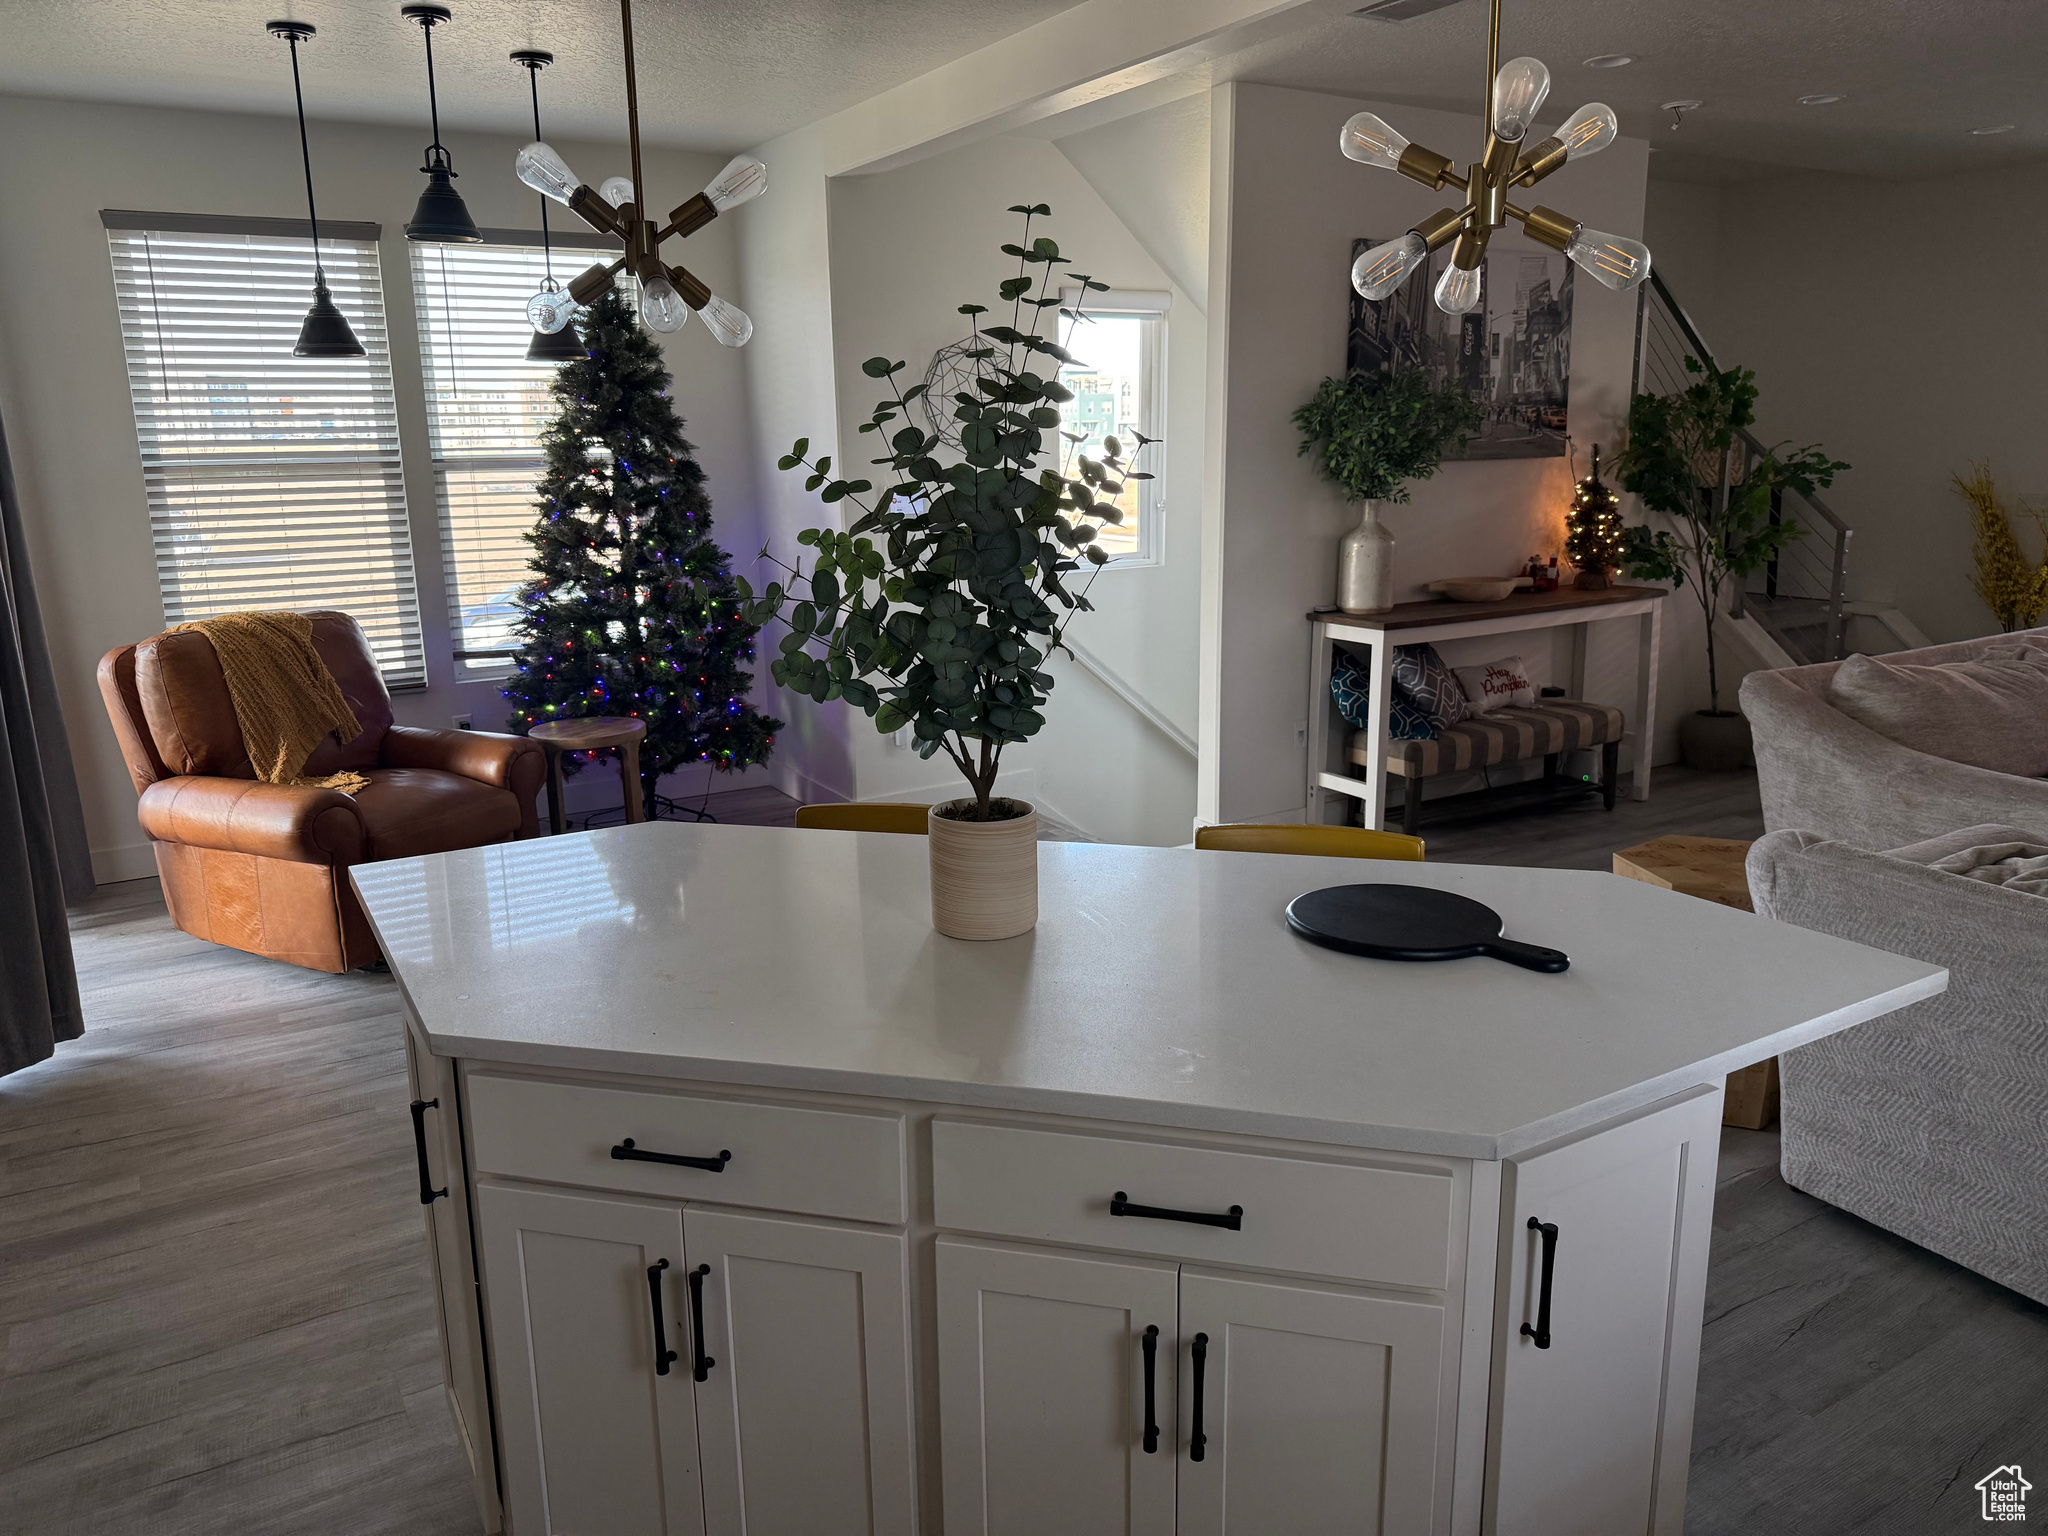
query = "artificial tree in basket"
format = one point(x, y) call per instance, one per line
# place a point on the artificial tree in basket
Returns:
point(1372, 433)
point(938, 605)
point(1680, 448)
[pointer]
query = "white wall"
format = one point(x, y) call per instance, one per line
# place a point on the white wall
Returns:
point(1882, 324)
point(906, 248)
point(1285, 207)
point(64, 386)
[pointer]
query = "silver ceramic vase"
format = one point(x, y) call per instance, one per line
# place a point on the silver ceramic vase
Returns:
point(1365, 566)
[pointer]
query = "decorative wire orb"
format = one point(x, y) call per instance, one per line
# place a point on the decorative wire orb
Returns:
point(952, 373)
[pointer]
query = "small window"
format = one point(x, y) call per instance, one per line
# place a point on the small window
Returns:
point(1119, 385)
point(272, 481)
point(486, 408)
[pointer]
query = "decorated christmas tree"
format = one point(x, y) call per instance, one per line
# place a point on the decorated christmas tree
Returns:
point(1593, 535)
point(630, 609)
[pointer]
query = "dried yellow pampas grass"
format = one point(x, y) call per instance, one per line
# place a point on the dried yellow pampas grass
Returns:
point(2013, 587)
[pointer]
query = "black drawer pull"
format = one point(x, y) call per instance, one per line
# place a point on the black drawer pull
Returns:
point(1120, 1204)
point(1541, 1332)
point(626, 1152)
point(1151, 1347)
point(700, 1366)
point(428, 1194)
point(662, 1353)
point(1198, 1443)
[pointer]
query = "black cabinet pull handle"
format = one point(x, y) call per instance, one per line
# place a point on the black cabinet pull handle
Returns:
point(1541, 1332)
point(700, 1366)
point(428, 1194)
point(1150, 1344)
point(662, 1353)
point(1198, 1443)
point(626, 1152)
point(1120, 1205)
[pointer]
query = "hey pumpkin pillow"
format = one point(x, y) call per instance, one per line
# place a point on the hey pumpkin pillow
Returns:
point(1502, 684)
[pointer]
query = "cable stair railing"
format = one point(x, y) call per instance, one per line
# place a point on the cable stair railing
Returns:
point(1800, 599)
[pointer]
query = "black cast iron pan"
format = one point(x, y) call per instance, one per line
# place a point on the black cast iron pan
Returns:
point(1411, 922)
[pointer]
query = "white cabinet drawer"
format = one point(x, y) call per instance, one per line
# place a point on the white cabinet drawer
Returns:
point(785, 1157)
point(1356, 1221)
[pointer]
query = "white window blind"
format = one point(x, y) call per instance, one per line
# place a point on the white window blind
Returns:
point(273, 481)
point(486, 406)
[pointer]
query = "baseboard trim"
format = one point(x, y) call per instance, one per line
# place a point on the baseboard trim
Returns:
point(128, 861)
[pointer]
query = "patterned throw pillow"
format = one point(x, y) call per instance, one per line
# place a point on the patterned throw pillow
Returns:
point(1348, 686)
point(1421, 674)
point(1502, 684)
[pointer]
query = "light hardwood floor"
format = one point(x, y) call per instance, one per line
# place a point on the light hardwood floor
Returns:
point(214, 1309)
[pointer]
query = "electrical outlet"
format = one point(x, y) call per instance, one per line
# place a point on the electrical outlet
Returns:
point(1301, 734)
point(461, 722)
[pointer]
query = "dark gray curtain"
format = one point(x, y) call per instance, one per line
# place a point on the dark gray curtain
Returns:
point(43, 853)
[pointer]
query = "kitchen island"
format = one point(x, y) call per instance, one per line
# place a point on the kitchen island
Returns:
point(757, 1206)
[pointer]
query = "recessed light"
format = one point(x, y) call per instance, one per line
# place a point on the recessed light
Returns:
point(1610, 60)
point(1819, 99)
point(1985, 133)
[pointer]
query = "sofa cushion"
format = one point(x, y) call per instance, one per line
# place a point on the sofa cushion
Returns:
point(1509, 736)
point(1421, 674)
point(409, 811)
point(1990, 712)
point(346, 650)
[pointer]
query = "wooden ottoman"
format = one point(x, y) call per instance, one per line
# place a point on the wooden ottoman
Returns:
point(1711, 868)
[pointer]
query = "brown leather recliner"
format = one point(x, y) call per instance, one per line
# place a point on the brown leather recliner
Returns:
point(264, 867)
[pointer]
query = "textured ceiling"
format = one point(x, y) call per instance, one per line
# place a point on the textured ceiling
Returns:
point(714, 74)
point(1916, 76)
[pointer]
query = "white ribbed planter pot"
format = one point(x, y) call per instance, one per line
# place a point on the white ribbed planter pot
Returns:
point(984, 873)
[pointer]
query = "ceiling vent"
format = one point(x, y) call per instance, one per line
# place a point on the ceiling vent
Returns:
point(1400, 10)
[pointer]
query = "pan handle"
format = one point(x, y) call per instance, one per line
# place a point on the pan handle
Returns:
point(1532, 957)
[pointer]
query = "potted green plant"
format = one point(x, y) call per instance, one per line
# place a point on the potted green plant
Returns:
point(1372, 433)
point(1688, 459)
point(938, 606)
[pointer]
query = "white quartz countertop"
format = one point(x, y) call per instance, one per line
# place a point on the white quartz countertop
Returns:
point(1161, 985)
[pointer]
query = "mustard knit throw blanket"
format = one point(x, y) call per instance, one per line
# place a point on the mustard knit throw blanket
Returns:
point(286, 701)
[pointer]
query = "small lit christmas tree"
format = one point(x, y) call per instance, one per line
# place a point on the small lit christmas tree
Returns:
point(1593, 536)
point(630, 608)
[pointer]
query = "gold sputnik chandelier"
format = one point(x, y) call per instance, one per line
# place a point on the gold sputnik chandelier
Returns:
point(667, 293)
point(1514, 92)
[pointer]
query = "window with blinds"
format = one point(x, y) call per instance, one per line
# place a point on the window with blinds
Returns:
point(272, 481)
point(486, 406)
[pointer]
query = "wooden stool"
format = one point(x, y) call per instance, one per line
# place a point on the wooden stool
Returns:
point(592, 733)
point(1710, 868)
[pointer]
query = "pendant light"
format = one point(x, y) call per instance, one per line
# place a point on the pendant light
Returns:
point(668, 293)
point(326, 330)
point(440, 216)
point(1515, 90)
point(551, 311)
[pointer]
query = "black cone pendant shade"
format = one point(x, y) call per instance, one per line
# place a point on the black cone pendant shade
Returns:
point(440, 216)
point(563, 346)
point(326, 331)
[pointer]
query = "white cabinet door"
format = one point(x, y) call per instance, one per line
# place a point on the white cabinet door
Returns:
point(594, 1437)
point(1592, 1427)
point(1317, 1408)
point(1042, 1392)
point(804, 1411)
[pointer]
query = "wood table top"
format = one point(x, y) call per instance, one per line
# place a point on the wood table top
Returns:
point(589, 733)
point(1713, 868)
point(1442, 610)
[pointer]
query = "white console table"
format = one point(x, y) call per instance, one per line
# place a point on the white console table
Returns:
point(757, 1208)
point(1429, 621)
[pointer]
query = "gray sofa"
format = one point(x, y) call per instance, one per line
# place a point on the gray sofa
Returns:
point(1821, 771)
point(1933, 1121)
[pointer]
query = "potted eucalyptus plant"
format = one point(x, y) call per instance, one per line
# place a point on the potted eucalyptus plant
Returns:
point(939, 604)
point(1682, 447)
point(1372, 433)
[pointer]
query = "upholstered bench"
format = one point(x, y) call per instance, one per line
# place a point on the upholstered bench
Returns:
point(1548, 730)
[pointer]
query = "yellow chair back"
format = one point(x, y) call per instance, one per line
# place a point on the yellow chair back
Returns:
point(873, 816)
point(1322, 842)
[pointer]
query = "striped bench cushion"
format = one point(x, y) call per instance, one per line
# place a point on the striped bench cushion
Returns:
point(1510, 736)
